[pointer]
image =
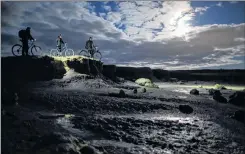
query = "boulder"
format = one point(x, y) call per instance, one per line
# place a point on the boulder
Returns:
point(214, 92)
point(237, 98)
point(219, 98)
point(135, 91)
point(194, 92)
point(185, 109)
point(88, 150)
point(239, 116)
point(143, 90)
point(122, 93)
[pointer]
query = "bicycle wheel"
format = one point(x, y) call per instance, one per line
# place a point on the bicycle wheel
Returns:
point(69, 52)
point(84, 53)
point(54, 52)
point(36, 50)
point(97, 55)
point(17, 50)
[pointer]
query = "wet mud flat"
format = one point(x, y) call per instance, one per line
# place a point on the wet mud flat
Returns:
point(61, 116)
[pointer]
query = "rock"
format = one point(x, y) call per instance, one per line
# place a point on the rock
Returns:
point(122, 93)
point(239, 116)
point(142, 81)
point(170, 146)
point(214, 92)
point(194, 92)
point(218, 86)
point(66, 148)
point(88, 150)
point(143, 90)
point(237, 98)
point(135, 91)
point(185, 109)
point(220, 98)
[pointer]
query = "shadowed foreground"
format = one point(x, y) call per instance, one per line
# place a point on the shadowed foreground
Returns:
point(81, 114)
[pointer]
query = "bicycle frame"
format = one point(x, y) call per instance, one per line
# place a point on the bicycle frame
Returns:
point(29, 44)
point(64, 48)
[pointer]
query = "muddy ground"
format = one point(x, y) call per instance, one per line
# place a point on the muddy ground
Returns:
point(74, 115)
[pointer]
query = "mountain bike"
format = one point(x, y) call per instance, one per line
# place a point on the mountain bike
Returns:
point(95, 54)
point(65, 50)
point(35, 50)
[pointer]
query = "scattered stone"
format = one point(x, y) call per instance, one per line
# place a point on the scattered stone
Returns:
point(143, 90)
point(135, 91)
point(170, 146)
point(238, 98)
point(239, 116)
point(185, 109)
point(122, 93)
point(194, 92)
point(214, 92)
point(220, 98)
point(87, 150)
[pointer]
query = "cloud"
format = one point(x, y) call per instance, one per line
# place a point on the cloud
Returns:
point(220, 4)
point(141, 33)
point(107, 8)
point(240, 39)
point(201, 10)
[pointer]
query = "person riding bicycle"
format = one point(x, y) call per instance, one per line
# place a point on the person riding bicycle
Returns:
point(90, 45)
point(25, 35)
point(59, 42)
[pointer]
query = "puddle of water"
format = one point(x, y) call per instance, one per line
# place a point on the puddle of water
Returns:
point(182, 97)
point(149, 116)
point(186, 91)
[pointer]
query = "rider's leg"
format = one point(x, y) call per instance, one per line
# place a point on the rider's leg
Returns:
point(59, 48)
point(25, 48)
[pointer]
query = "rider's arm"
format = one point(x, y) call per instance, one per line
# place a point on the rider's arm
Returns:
point(86, 45)
point(61, 40)
point(30, 37)
point(93, 45)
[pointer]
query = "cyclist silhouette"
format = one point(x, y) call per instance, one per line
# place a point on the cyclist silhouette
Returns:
point(59, 42)
point(90, 45)
point(25, 36)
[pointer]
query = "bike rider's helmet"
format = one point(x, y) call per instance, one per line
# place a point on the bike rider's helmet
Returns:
point(28, 28)
point(90, 38)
